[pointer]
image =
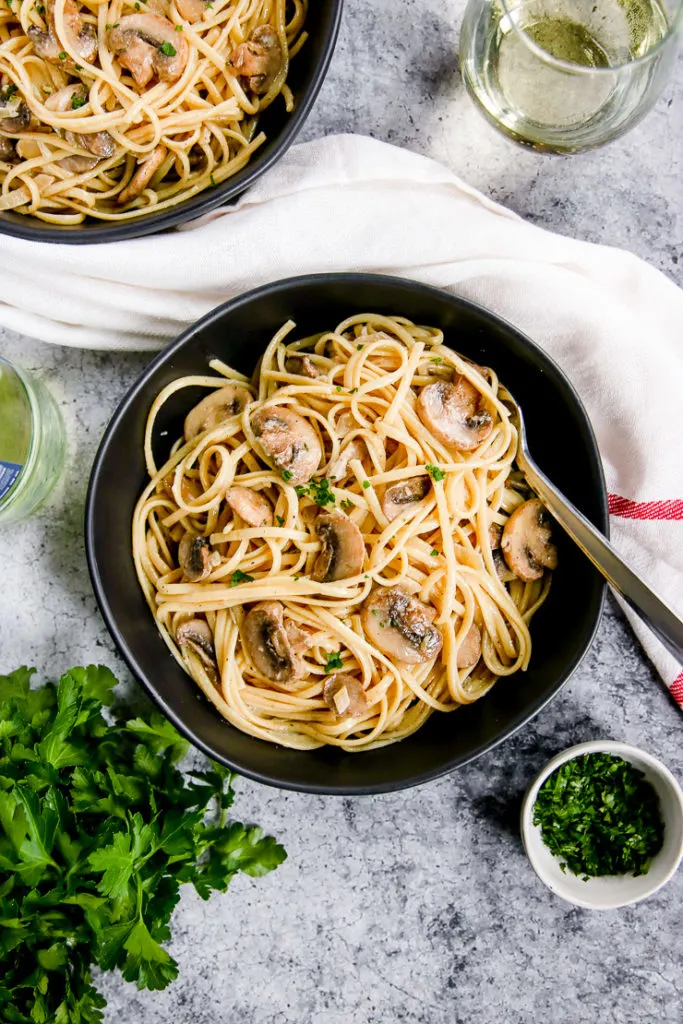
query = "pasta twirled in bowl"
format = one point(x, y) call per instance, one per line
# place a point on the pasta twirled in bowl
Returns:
point(342, 546)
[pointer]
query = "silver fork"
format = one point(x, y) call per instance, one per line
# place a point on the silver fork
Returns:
point(666, 625)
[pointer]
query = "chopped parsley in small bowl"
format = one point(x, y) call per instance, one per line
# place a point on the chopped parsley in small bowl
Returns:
point(602, 825)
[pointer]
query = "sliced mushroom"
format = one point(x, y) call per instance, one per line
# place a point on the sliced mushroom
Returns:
point(526, 544)
point(302, 365)
point(469, 650)
point(8, 153)
point(197, 636)
point(15, 116)
point(343, 548)
point(340, 467)
point(401, 625)
point(299, 639)
point(100, 144)
point(196, 557)
point(218, 406)
point(495, 536)
point(148, 45)
point(251, 506)
point(344, 694)
point(258, 60)
point(288, 441)
point(81, 36)
point(144, 174)
point(78, 164)
point(404, 496)
point(192, 10)
point(454, 413)
point(266, 641)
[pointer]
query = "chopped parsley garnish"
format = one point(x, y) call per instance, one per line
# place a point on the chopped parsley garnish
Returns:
point(63, 55)
point(137, 7)
point(338, 387)
point(40, 9)
point(353, 391)
point(434, 553)
point(435, 472)
point(333, 662)
point(436, 359)
point(600, 816)
point(240, 577)
point(287, 475)
point(178, 28)
point(8, 93)
point(78, 101)
point(168, 49)
point(358, 348)
point(212, 180)
point(301, 490)
point(346, 504)
point(366, 484)
point(318, 491)
point(280, 520)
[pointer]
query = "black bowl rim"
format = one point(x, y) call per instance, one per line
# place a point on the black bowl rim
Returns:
point(205, 201)
point(216, 314)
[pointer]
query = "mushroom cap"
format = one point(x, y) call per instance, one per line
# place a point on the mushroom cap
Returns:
point(400, 625)
point(192, 10)
point(250, 505)
point(137, 42)
point(258, 59)
point(343, 548)
point(196, 634)
point(266, 641)
point(345, 696)
point(453, 413)
point(469, 650)
point(195, 557)
point(526, 544)
point(143, 175)
point(404, 496)
point(302, 364)
point(218, 406)
point(287, 441)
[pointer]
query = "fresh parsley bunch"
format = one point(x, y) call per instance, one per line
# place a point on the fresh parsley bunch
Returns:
point(98, 831)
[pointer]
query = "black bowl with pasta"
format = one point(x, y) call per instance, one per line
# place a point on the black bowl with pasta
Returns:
point(405, 750)
point(176, 107)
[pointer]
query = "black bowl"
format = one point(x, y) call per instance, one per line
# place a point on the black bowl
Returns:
point(306, 75)
point(560, 437)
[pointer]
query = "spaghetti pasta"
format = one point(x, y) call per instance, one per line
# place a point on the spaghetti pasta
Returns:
point(111, 109)
point(343, 545)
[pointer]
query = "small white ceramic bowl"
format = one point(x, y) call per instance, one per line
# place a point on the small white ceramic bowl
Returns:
point(611, 891)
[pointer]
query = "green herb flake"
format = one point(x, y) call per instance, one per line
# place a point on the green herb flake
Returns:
point(435, 472)
point(600, 816)
point(333, 662)
point(338, 388)
point(436, 359)
point(212, 180)
point(358, 348)
point(301, 490)
point(346, 504)
point(320, 492)
point(40, 9)
point(8, 93)
point(63, 55)
point(280, 520)
point(287, 475)
point(366, 484)
point(240, 577)
point(434, 553)
point(179, 28)
point(353, 391)
point(78, 101)
point(168, 49)
point(99, 830)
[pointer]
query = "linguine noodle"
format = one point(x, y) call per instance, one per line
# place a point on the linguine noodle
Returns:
point(112, 110)
point(429, 516)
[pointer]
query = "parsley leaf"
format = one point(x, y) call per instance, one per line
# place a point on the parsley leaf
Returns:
point(98, 831)
point(240, 577)
point(78, 101)
point(366, 484)
point(168, 49)
point(333, 662)
point(280, 520)
point(435, 472)
point(287, 475)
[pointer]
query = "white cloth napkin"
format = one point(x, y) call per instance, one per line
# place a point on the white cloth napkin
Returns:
point(345, 203)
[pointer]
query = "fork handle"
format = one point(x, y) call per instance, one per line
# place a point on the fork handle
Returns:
point(666, 626)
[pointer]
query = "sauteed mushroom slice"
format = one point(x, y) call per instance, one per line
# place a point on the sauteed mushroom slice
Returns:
point(345, 696)
point(288, 441)
point(8, 153)
point(251, 506)
point(192, 10)
point(143, 175)
point(495, 536)
point(469, 650)
point(258, 60)
point(197, 636)
point(343, 548)
point(196, 557)
point(400, 625)
point(454, 413)
point(148, 45)
point(404, 496)
point(526, 544)
point(218, 406)
point(302, 365)
point(79, 164)
point(100, 144)
point(267, 643)
point(15, 116)
point(340, 467)
point(81, 36)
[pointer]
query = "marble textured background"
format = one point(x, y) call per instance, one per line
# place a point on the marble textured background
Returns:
point(420, 906)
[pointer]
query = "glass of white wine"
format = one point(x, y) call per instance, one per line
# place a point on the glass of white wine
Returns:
point(565, 75)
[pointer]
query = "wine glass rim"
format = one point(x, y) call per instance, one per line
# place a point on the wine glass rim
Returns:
point(675, 22)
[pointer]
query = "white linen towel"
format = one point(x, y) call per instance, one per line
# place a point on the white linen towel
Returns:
point(347, 203)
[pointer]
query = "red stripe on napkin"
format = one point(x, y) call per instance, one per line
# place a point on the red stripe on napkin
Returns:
point(627, 509)
point(676, 689)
